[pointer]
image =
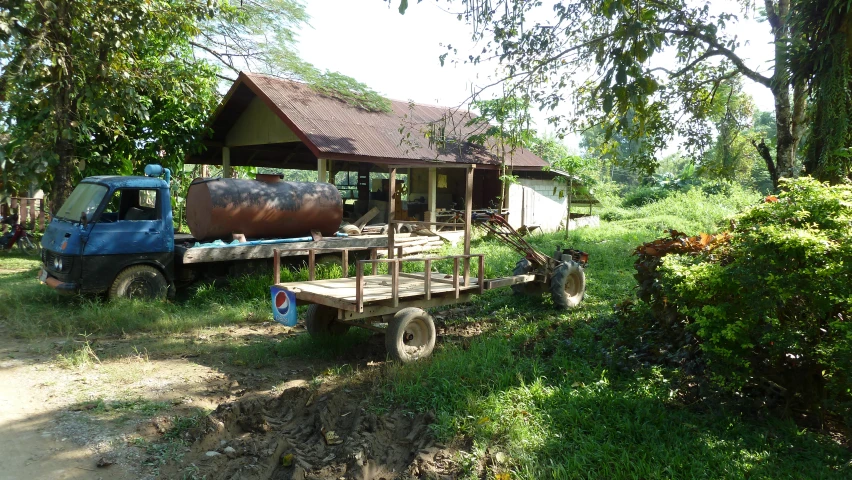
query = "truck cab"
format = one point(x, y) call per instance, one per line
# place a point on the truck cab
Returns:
point(113, 234)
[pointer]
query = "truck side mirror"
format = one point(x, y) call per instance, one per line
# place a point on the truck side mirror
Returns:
point(84, 219)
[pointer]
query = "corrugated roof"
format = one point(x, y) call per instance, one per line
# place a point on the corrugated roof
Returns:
point(337, 130)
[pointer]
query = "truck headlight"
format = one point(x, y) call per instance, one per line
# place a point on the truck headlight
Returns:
point(57, 264)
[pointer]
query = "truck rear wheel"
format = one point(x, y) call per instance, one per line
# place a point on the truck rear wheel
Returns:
point(410, 335)
point(321, 321)
point(568, 285)
point(139, 281)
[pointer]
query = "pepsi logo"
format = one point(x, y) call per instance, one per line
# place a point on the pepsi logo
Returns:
point(282, 302)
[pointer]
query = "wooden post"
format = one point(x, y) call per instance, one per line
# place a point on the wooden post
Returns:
point(427, 264)
point(374, 254)
point(32, 215)
point(431, 198)
point(322, 170)
point(395, 281)
point(276, 265)
point(391, 212)
point(41, 215)
point(468, 209)
point(311, 264)
point(345, 259)
point(226, 162)
point(481, 277)
point(359, 285)
point(456, 276)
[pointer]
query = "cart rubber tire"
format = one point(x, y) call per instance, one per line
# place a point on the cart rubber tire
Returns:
point(524, 267)
point(410, 335)
point(321, 321)
point(568, 285)
point(139, 281)
point(28, 246)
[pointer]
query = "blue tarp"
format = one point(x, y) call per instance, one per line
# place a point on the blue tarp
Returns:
point(273, 241)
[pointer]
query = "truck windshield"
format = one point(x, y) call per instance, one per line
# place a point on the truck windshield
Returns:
point(85, 198)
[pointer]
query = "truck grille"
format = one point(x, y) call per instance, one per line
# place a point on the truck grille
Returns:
point(49, 260)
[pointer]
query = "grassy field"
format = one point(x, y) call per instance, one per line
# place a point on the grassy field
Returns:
point(540, 395)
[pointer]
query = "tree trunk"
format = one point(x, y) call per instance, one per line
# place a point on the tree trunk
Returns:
point(63, 115)
point(785, 155)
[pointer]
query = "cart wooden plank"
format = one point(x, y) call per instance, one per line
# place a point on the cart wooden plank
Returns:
point(238, 252)
point(340, 292)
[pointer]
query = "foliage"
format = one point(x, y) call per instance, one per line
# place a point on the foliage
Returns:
point(142, 88)
point(821, 54)
point(133, 95)
point(771, 309)
point(647, 70)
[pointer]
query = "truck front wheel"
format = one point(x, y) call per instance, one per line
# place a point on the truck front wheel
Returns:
point(139, 281)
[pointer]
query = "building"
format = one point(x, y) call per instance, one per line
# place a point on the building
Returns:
point(269, 122)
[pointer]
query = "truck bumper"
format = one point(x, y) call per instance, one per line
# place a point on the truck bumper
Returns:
point(65, 288)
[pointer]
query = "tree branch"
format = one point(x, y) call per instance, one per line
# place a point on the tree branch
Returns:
point(215, 54)
point(723, 50)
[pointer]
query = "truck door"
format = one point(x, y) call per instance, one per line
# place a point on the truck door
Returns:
point(128, 231)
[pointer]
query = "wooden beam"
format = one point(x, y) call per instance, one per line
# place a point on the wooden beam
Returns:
point(322, 170)
point(226, 162)
point(468, 209)
point(506, 281)
point(432, 196)
point(276, 268)
point(427, 265)
point(391, 212)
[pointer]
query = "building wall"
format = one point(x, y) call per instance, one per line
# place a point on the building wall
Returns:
point(533, 202)
point(258, 125)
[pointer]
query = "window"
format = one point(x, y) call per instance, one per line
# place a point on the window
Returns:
point(132, 204)
point(84, 199)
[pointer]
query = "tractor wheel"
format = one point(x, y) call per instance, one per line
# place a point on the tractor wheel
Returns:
point(568, 285)
point(525, 267)
point(139, 281)
point(410, 335)
point(321, 321)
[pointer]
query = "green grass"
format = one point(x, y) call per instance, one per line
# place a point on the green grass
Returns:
point(31, 310)
point(545, 388)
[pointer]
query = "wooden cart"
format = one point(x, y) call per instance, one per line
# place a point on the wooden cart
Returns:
point(394, 303)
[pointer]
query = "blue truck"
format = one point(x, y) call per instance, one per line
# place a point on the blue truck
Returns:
point(115, 235)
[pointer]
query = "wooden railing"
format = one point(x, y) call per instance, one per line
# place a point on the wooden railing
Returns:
point(394, 265)
point(32, 213)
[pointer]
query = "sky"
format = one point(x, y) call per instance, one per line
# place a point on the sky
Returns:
point(397, 55)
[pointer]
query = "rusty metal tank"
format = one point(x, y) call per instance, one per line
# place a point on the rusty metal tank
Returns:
point(219, 207)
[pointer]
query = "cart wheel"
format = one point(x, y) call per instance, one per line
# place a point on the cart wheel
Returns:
point(410, 335)
point(321, 321)
point(568, 285)
point(525, 267)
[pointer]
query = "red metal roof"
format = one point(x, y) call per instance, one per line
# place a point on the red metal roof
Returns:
point(336, 130)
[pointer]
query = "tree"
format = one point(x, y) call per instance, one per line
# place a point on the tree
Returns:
point(99, 85)
point(260, 36)
point(106, 86)
point(630, 91)
point(504, 125)
point(822, 57)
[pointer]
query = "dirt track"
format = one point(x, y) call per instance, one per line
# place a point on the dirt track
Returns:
point(286, 421)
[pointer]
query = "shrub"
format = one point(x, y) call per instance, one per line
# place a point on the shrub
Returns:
point(644, 195)
point(773, 310)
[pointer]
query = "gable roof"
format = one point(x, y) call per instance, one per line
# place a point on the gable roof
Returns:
point(333, 129)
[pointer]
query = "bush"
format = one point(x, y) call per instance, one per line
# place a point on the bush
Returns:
point(644, 195)
point(772, 310)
